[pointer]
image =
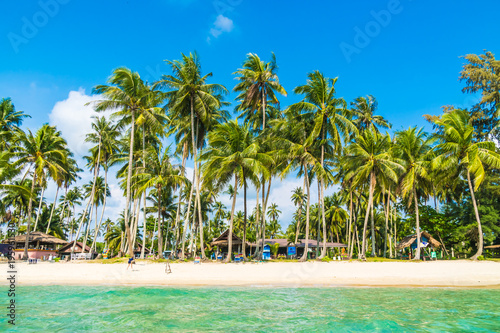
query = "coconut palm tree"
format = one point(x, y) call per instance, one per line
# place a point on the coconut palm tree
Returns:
point(368, 159)
point(331, 121)
point(191, 96)
point(10, 122)
point(413, 148)
point(459, 153)
point(298, 197)
point(231, 150)
point(45, 151)
point(363, 109)
point(273, 213)
point(130, 96)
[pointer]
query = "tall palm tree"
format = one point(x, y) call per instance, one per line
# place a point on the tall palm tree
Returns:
point(10, 122)
point(273, 213)
point(363, 109)
point(458, 153)
point(331, 121)
point(258, 82)
point(231, 151)
point(190, 95)
point(45, 151)
point(414, 150)
point(129, 95)
point(367, 159)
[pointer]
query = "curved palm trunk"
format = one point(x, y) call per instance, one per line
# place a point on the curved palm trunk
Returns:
point(103, 208)
point(306, 248)
point(129, 181)
point(186, 220)
point(200, 219)
point(230, 238)
point(87, 230)
point(417, 255)
point(244, 245)
point(52, 210)
point(297, 230)
point(476, 212)
point(39, 208)
point(160, 225)
point(137, 208)
point(367, 215)
point(348, 230)
point(64, 204)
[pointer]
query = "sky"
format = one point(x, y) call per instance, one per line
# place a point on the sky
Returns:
point(406, 53)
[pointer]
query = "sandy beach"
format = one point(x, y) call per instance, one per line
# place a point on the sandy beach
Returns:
point(460, 273)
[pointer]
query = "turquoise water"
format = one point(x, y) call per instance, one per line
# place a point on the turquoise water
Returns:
point(155, 309)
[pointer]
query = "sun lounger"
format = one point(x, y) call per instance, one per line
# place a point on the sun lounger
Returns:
point(197, 260)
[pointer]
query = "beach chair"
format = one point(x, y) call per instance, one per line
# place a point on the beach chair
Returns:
point(197, 260)
point(219, 257)
point(32, 261)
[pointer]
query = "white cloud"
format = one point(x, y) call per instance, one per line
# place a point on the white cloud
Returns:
point(74, 119)
point(221, 24)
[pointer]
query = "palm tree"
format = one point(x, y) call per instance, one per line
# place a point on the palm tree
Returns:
point(367, 159)
point(128, 94)
point(46, 151)
point(331, 121)
point(298, 197)
point(191, 94)
point(161, 175)
point(363, 109)
point(10, 122)
point(458, 152)
point(231, 151)
point(273, 213)
point(414, 149)
point(258, 82)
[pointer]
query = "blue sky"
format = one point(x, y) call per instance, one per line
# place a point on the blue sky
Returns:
point(405, 53)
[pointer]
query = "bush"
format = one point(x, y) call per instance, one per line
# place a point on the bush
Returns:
point(480, 258)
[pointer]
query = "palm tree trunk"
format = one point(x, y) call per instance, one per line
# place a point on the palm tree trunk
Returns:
point(192, 230)
point(368, 207)
point(65, 202)
point(177, 215)
point(230, 238)
point(129, 181)
point(348, 230)
point(244, 245)
point(103, 208)
point(88, 227)
point(160, 226)
point(30, 208)
point(137, 209)
point(52, 210)
point(39, 208)
point(264, 206)
point(186, 220)
point(151, 249)
point(297, 230)
point(374, 249)
point(476, 212)
point(417, 255)
point(144, 194)
point(308, 202)
point(200, 218)
point(387, 204)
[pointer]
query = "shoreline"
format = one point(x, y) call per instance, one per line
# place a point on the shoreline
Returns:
point(436, 274)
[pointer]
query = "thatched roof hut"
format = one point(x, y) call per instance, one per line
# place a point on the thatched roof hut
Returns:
point(223, 239)
point(409, 240)
point(65, 250)
point(37, 237)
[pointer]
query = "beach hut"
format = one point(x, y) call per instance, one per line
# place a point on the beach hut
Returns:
point(65, 251)
point(40, 245)
point(222, 242)
point(426, 242)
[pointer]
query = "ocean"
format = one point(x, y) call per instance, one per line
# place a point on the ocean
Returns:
point(251, 309)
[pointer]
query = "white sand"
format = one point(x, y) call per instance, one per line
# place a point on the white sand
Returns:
point(461, 273)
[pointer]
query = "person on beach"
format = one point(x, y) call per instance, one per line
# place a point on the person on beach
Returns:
point(130, 263)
